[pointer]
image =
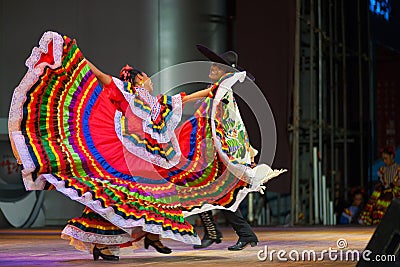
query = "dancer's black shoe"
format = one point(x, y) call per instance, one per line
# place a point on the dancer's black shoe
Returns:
point(206, 242)
point(240, 245)
point(157, 245)
point(97, 253)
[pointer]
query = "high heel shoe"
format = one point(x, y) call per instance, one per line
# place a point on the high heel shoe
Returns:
point(97, 253)
point(148, 242)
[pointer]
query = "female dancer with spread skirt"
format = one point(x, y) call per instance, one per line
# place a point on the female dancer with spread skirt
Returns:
point(118, 150)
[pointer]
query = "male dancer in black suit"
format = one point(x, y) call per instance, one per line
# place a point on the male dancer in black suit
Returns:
point(242, 228)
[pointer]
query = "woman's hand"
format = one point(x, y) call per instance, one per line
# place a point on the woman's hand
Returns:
point(196, 95)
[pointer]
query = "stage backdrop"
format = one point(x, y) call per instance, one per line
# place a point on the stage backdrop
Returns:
point(264, 37)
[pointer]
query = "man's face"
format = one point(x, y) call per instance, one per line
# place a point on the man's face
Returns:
point(216, 72)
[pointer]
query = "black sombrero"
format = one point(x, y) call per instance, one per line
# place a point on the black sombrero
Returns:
point(229, 58)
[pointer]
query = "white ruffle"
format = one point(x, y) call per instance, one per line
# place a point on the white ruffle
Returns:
point(88, 237)
point(260, 174)
point(19, 97)
point(141, 152)
point(154, 104)
point(108, 213)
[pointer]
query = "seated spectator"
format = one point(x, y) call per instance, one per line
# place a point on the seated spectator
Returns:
point(351, 214)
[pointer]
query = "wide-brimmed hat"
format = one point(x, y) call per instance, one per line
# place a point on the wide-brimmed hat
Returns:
point(229, 58)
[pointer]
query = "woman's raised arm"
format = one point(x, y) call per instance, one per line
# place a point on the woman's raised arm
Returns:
point(101, 76)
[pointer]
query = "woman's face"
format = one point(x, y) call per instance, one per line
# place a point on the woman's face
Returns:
point(144, 81)
point(387, 159)
point(216, 72)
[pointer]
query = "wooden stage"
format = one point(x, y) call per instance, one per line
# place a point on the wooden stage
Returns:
point(44, 247)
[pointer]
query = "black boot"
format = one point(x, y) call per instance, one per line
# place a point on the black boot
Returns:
point(97, 253)
point(211, 232)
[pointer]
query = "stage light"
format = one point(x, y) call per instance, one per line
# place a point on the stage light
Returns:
point(381, 8)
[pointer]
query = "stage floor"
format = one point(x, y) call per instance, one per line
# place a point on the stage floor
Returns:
point(44, 247)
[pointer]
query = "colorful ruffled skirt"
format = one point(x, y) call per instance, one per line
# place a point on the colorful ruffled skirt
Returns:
point(136, 171)
point(378, 204)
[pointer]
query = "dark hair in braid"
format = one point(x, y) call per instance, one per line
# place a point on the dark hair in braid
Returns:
point(128, 74)
point(388, 150)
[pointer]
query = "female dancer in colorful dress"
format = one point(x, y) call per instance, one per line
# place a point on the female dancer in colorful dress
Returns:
point(386, 189)
point(117, 149)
